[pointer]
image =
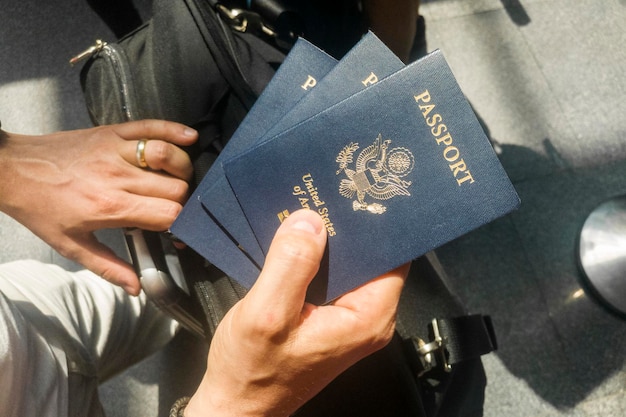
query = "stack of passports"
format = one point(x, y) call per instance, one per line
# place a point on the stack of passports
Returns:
point(392, 158)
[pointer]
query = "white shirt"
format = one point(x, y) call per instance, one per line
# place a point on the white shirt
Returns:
point(49, 315)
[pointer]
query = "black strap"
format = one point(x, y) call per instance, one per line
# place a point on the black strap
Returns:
point(217, 38)
point(217, 297)
point(453, 340)
point(214, 292)
point(467, 337)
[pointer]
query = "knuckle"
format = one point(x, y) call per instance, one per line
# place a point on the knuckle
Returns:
point(108, 274)
point(384, 336)
point(258, 326)
point(298, 246)
point(298, 252)
point(380, 333)
point(67, 249)
point(156, 127)
point(146, 125)
point(269, 327)
point(168, 214)
point(161, 217)
point(107, 205)
point(171, 213)
point(107, 170)
point(180, 190)
point(160, 153)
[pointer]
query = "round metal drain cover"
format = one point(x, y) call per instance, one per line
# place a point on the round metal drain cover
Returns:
point(602, 254)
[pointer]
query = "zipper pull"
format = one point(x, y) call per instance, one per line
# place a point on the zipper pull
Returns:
point(89, 52)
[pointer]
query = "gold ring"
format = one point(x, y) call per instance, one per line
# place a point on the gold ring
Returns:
point(141, 153)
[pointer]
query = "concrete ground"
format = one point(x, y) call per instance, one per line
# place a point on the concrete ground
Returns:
point(548, 79)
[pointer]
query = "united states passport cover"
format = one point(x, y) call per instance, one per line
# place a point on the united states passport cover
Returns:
point(298, 75)
point(194, 225)
point(394, 171)
point(302, 70)
point(362, 66)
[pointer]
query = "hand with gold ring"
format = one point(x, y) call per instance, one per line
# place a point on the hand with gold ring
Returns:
point(64, 186)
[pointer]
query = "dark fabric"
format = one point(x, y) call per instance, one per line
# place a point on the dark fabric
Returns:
point(173, 75)
point(468, 336)
point(381, 385)
point(333, 25)
point(425, 297)
point(464, 394)
point(121, 16)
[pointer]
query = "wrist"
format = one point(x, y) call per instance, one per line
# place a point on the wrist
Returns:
point(12, 159)
point(210, 402)
point(6, 165)
point(216, 400)
point(28, 171)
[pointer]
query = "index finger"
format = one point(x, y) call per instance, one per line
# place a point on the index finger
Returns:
point(377, 296)
point(172, 132)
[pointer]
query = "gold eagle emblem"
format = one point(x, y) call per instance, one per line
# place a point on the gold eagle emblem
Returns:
point(378, 173)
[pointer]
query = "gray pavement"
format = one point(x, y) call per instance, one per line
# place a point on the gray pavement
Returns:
point(547, 78)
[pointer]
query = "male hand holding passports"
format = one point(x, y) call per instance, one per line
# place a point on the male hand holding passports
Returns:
point(391, 157)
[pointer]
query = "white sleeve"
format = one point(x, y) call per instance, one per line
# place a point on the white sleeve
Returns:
point(33, 374)
point(52, 317)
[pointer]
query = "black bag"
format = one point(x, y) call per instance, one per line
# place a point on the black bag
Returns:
point(192, 64)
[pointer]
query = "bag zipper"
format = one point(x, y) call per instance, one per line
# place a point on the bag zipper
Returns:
point(89, 52)
point(115, 55)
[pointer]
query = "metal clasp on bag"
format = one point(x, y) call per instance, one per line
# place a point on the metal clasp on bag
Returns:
point(89, 52)
point(433, 354)
point(244, 20)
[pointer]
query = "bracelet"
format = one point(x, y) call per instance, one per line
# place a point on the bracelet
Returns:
point(178, 409)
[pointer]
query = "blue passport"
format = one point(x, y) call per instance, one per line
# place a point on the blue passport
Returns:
point(302, 70)
point(195, 226)
point(366, 63)
point(395, 171)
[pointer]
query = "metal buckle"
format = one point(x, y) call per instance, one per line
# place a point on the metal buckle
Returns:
point(244, 20)
point(433, 354)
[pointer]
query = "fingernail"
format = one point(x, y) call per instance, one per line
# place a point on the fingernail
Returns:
point(308, 225)
point(131, 290)
point(189, 132)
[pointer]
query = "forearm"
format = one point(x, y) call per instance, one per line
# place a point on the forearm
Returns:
point(8, 163)
point(3, 144)
point(33, 167)
point(4, 137)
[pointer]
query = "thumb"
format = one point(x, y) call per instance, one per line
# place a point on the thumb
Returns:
point(291, 263)
point(102, 261)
